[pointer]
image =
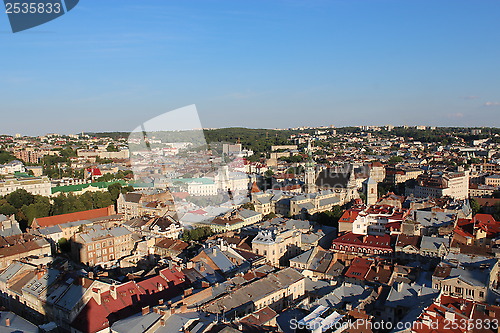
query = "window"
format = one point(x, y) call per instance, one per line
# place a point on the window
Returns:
point(90, 247)
point(458, 290)
point(98, 245)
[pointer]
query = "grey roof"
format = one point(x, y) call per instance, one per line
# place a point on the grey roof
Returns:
point(17, 323)
point(298, 224)
point(11, 271)
point(264, 199)
point(50, 230)
point(474, 277)
point(433, 219)
point(74, 224)
point(406, 295)
point(220, 259)
point(345, 293)
point(310, 238)
point(247, 213)
point(433, 243)
point(37, 286)
point(176, 322)
point(95, 232)
point(306, 206)
point(329, 201)
point(302, 258)
point(136, 323)
point(257, 290)
point(119, 231)
point(72, 296)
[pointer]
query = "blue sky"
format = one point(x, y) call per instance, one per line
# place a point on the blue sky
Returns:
point(113, 64)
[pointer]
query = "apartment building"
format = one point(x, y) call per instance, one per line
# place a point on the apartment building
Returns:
point(277, 291)
point(34, 185)
point(100, 246)
point(277, 246)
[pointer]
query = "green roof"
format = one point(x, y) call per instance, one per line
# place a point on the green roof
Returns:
point(79, 187)
point(22, 175)
point(201, 180)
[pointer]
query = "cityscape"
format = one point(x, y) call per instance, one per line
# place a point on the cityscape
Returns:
point(348, 229)
point(278, 166)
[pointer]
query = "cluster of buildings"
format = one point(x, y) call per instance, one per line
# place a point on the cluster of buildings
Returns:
point(409, 234)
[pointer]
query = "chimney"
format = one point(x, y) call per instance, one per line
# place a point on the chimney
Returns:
point(205, 284)
point(91, 275)
point(40, 273)
point(172, 310)
point(202, 268)
point(112, 291)
point(7, 322)
point(162, 322)
point(184, 308)
point(145, 310)
point(96, 293)
point(160, 301)
point(188, 292)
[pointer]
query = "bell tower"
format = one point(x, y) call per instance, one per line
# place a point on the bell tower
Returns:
point(310, 172)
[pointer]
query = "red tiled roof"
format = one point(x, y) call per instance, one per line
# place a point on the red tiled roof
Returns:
point(464, 228)
point(94, 171)
point(130, 298)
point(358, 268)
point(487, 223)
point(365, 240)
point(255, 188)
point(349, 215)
point(180, 195)
point(72, 217)
point(198, 211)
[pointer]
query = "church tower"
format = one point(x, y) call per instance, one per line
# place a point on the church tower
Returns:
point(351, 190)
point(310, 172)
point(370, 191)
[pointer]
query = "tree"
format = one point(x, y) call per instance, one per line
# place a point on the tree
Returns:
point(40, 208)
point(395, 160)
point(20, 197)
point(269, 173)
point(331, 217)
point(6, 208)
point(474, 205)
point(6, 157)
point(111, 148)
point(248, 205)
point(115, 190)
point(269, 216)
point(197, 234)
point(64, 245)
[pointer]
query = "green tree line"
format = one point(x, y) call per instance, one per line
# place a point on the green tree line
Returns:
point(26, 206)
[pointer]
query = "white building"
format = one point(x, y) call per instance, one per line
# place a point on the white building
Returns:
point(34, 185)
point(11, 168)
